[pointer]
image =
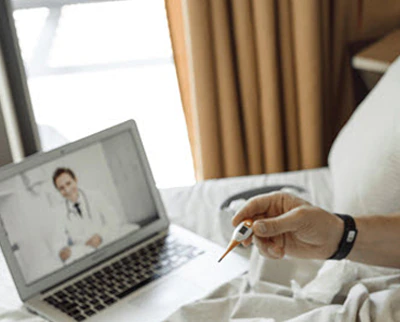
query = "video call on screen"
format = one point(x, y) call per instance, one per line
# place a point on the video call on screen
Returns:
point(75, 205)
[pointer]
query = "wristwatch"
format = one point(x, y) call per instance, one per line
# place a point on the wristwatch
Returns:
point(348, 238)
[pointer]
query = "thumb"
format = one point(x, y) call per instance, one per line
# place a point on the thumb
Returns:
point(270, 227)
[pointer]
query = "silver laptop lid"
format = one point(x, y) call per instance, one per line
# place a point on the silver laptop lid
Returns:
point(66, 210)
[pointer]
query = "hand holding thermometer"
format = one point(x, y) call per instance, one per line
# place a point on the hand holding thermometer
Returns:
point(241, 233)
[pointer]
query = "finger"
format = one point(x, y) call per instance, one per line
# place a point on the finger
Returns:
point(277, 249)
point(258, 205)
point(268, 248)
point(279, 241)
point(247, 241)
point(270, 227)
point(263, 245)
point(276, 252)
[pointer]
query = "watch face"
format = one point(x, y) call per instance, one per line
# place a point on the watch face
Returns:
point(350, 236)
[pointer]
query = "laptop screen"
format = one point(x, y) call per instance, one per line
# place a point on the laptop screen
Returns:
point(72, 206)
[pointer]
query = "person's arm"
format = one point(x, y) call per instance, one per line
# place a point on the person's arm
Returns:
point(285, 224)
point(378, 240)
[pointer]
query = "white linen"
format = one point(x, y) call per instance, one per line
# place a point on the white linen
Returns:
point(365, 157)
point(371, 294)
point(289, 289)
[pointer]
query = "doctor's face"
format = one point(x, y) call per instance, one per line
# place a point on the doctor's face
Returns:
point(68, 187)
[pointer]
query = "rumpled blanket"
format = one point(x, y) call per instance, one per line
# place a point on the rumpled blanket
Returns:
point(301, 290)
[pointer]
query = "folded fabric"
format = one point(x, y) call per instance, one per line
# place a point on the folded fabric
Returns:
point(330, 279)
point(364, 293)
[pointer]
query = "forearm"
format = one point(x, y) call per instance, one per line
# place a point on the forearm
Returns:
point(378, 240)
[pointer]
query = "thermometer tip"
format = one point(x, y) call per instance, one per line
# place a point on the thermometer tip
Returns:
point(231, 246)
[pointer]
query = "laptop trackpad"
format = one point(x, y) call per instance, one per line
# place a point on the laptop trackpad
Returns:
point(166, 296)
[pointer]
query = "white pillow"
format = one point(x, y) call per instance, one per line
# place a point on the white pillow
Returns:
point(365, 158)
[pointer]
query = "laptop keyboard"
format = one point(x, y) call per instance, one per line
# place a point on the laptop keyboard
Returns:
point(105, 287)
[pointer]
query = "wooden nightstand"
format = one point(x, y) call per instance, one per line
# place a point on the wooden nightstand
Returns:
point(372, 62)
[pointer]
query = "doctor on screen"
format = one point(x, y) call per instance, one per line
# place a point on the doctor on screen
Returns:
point(89, 218)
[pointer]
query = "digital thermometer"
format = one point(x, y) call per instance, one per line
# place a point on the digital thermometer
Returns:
point(241, 233)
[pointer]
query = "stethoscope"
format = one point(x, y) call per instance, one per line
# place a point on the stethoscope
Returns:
point(85, 201)
point(69, 211)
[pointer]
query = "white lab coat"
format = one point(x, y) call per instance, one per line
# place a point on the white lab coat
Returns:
point(98, 217)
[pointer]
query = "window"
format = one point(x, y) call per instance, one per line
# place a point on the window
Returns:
point(92, 64)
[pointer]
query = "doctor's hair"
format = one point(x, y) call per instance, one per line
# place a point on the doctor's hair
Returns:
point(59, 172)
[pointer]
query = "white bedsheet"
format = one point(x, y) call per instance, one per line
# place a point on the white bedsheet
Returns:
point(265, 294)
point(266, 291)
point(289, 289)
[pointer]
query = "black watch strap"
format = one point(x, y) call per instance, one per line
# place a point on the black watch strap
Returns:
point(348, 238)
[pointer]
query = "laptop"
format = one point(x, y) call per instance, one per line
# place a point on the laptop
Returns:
point(86, 236)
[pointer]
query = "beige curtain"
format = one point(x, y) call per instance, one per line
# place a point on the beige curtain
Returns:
point(265, 84)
